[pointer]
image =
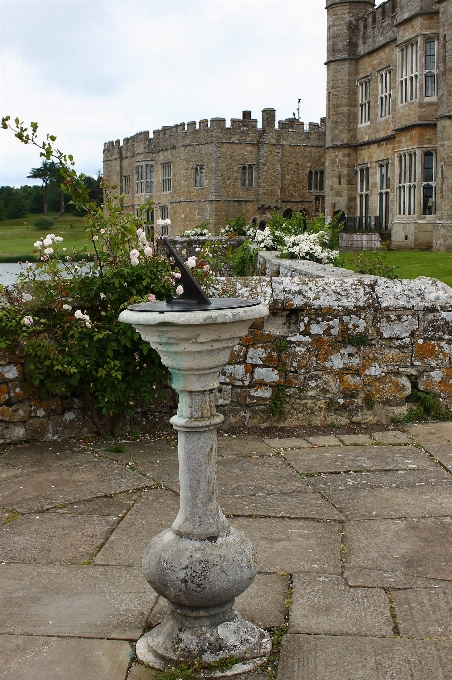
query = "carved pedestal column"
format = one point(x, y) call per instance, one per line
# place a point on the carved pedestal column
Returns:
point(201, 564)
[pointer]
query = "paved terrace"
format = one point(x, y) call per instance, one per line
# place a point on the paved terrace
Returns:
point(353, 532)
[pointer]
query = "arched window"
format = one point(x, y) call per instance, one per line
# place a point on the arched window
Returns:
point(310, 175)
point(321, 178)
point(287, 213)
point(316, 180)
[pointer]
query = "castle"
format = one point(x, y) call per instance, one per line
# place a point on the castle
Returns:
point(383, 158)
point(210, 172)
point(389, 118)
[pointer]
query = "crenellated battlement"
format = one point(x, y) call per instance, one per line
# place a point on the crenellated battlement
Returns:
point(240, 130)
point(377, 27)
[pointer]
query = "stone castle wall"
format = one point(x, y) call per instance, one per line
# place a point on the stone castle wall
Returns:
point(337, 347)
point(364, 40)
point(282, 157)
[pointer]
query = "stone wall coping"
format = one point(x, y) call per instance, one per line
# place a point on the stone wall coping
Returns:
point(339, 293)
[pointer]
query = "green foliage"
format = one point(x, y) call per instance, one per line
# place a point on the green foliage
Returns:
point(12, 203)
point(244, 260)
point(277, 635)
point(299, 237)
point(43, 223)
point(369, 403)
point(11, 516)
point(278, 400)
point(190, 670)
point(236, 227)
point(201, 229)
point(425, 407)
point(116, 449)
point(358, 340)
point(65, 319)
point(375, 264)
point(281, 344)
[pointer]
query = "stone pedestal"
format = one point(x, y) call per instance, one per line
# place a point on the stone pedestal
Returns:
point(201, 564)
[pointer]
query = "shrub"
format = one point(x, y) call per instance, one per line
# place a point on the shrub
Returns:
point(425, 407)
point(244, 260)
point(374, 264)
point(201, 229)
point(44, 223)
point(237, 227)
point(66, 324)
point(299, 237)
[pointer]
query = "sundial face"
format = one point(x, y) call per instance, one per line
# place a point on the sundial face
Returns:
point(193, 299)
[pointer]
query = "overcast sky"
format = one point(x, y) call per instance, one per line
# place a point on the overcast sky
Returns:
point(90, 71)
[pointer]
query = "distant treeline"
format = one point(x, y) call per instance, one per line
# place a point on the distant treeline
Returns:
point(15, 203)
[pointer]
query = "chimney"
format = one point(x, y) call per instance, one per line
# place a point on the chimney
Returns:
point(246, 115)
point(268, 119)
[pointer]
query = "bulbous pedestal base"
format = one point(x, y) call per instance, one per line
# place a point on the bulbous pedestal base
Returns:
point(201, 579)
point(174, 641)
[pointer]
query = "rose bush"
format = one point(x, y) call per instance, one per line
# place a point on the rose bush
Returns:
point(63, 316)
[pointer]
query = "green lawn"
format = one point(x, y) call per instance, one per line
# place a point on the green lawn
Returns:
point(17, 236)
point(414, 263)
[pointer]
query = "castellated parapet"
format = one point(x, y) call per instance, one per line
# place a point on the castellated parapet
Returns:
point(209, 172)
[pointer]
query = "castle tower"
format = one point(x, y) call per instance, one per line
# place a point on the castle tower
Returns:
point(442, 240)
point(342, 106)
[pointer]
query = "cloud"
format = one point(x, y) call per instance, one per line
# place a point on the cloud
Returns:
point(94, 70)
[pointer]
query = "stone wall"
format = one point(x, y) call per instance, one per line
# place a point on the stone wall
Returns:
point(343, 349)
point(337, 347)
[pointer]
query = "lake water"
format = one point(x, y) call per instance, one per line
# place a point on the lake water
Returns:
point(9, 271)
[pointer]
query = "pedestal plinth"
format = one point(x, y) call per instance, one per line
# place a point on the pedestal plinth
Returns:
point(201, 564)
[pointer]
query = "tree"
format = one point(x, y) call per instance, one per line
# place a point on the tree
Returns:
point(13, 203)
point(48, 172)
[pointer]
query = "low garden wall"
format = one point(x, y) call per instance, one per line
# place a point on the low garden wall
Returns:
point(337, 347)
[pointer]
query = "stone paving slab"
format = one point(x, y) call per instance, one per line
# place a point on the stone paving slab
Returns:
point(430, 432)
point(53, 658)
point(380, 480)
point(155, 511)
point(387, 503)
point(425, 613)
point(374, 578)
point(324, 440)
point(45, 454)
point(392, 437)
point(326, 605)
point(115, 507)
point(50, 486)
point(315, 657)
point(441, 451)
point(414, 547)
point(263, 603)
point(356, 439)
point(51, 538)
point(251, 476)
point(289, 545)
point(6, 472)
point(163, 471)
point(243, 446)
point(358, 458)
point(296, 505)
point(288, 443)
point(138, 452)
point(91, 602)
